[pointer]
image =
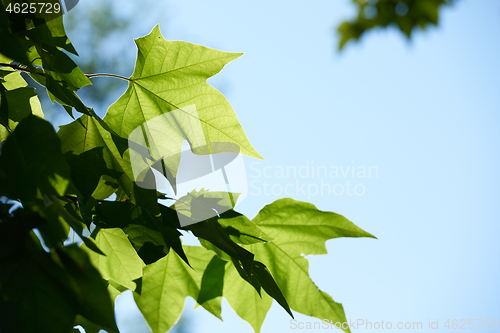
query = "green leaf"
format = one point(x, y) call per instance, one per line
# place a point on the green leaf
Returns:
point(169, 76)
point(405, 15)
point(54, 231)
point(260, 279)
point(265, 279)
point(105, 188)
point(213, 237)
point(301, 229)
point(40, 44)
point(87, 169)
point(304, 227)
point(167, 282)
point(149, 244)
point(52, 33)
point(28, 164)
point(50, 289)
point(95, 301)
point(85, 134)
point(150, 237)
point(60, 92)
point(14, 229)
point(10, 79)
point(241, 230)
point(60, 75)
point(244, 299)
point(13, 46)
point(22, 102)
point(57, 64)
point(24, 308)
point(113, 291)
point(211, 231)
point(120, 262)
point(73, 219)
point(61, 185)
point(16, 100)
point(5, 59)
point(212, 284)
point(202, 205)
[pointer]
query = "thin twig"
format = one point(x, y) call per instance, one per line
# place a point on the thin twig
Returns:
point(25, 69)
point(108, 75)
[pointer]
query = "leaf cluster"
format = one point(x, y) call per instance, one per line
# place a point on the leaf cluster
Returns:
point(406, 15)
point(79, 180)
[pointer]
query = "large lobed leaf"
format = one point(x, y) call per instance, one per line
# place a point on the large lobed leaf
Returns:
point(120, 262)
point(299, 229)
point(171, 75)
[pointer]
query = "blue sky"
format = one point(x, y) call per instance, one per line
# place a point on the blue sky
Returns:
point(424, 113)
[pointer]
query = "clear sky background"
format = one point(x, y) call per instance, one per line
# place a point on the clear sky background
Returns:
point(425, 114)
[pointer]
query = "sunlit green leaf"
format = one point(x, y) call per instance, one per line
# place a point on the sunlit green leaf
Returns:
point(166, 284)
point(16, 101)
point(212, 232)
point(241, 230)
point(171, 75)
point(151, 236)
point(105, 188)
point(120, 262)
point(301, 229)
point(244, 300)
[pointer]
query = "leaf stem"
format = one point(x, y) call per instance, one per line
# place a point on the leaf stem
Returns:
point(108, 75)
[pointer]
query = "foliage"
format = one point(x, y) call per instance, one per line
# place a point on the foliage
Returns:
point(406, 15)
point(66, 180)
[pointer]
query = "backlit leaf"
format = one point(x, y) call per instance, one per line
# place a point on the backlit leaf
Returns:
point(166, 284)
point(16, 101)
point(169, 76)
point(120, 262)
point(301, 229)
